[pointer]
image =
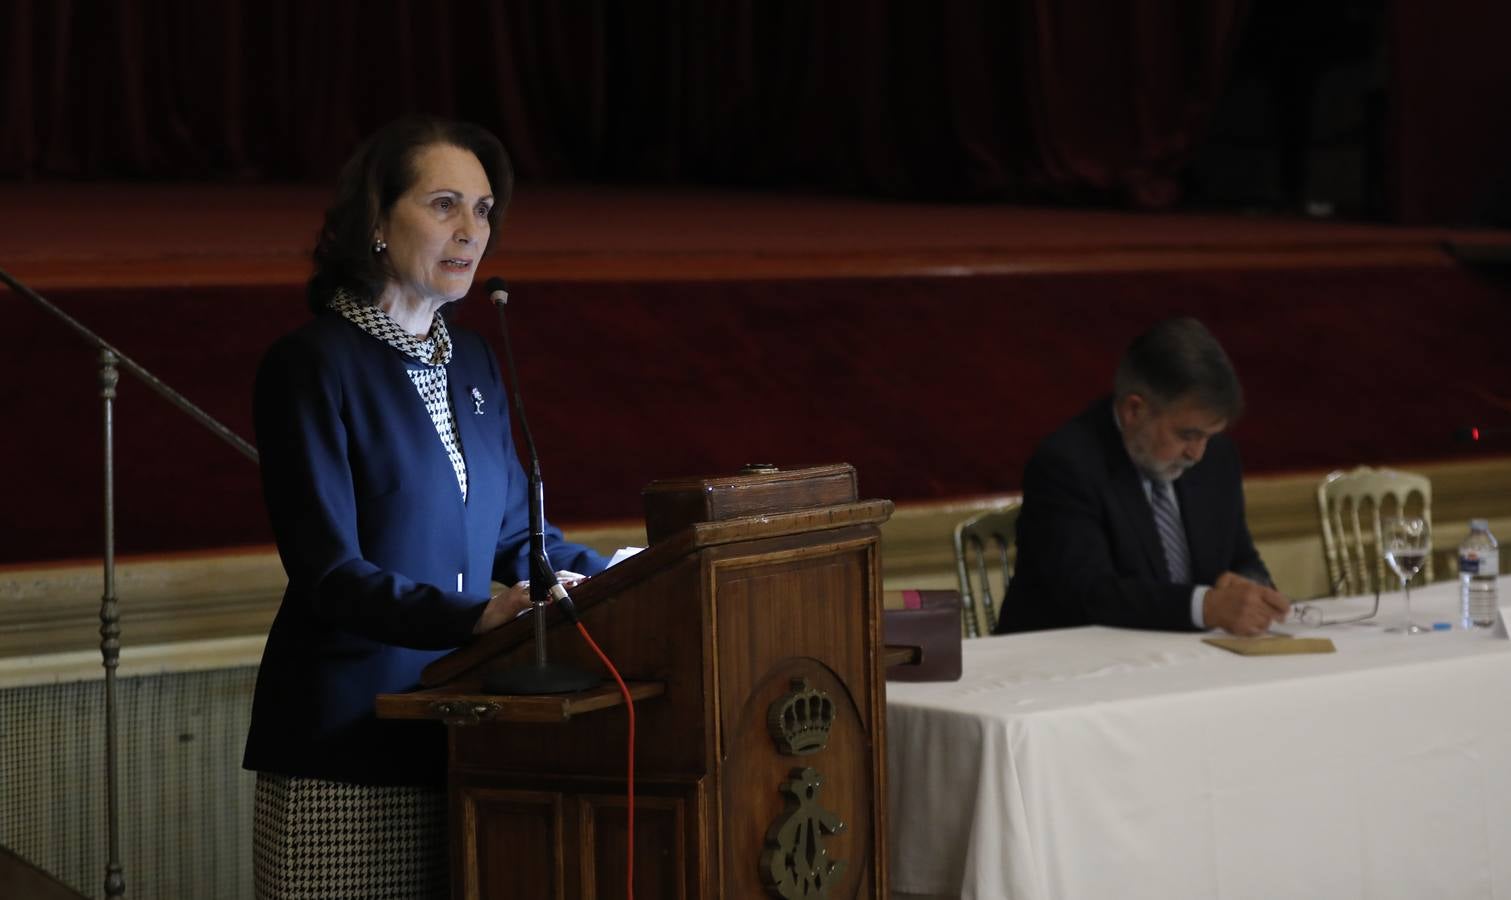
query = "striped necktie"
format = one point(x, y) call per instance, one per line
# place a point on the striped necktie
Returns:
point(1172, 534)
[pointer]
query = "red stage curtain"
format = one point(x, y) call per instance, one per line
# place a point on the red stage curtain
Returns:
point(1450, 86)
point(972, 99)
point(1120, 92)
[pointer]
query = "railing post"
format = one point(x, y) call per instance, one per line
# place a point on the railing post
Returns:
point(110, 633)
point(111, 362)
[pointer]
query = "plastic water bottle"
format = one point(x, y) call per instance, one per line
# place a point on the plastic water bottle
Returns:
point(1479, 565)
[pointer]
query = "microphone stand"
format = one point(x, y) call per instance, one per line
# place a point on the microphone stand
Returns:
point(111, 361)
point(542, 677)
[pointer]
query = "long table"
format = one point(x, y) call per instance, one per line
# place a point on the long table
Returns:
point(1098, 762)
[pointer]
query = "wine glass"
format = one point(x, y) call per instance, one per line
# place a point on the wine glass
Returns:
point(1406, 541)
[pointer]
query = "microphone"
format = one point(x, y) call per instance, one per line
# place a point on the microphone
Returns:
point(498, 292)
point(542, 677)
point(543, 580)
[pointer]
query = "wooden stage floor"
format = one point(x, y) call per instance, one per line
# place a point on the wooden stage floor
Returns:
point(83, 236)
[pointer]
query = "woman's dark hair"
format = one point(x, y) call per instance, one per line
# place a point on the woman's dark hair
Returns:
point(372, 180)
point(1180, 358)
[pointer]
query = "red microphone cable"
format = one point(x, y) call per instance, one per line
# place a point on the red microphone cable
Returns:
point(629, 704)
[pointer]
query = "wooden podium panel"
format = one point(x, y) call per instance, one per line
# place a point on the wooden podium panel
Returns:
point(744, 637)
point(560, 840)
point(786, 622)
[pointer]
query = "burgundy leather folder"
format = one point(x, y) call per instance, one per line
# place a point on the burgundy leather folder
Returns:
point(930, 621)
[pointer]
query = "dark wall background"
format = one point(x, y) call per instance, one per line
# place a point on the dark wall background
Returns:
point(1377, 108)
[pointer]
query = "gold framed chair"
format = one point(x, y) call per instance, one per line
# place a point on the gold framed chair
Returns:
point(980, 541)
point(1351, 505)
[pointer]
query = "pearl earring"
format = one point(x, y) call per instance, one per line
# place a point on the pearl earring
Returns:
point(380, 245)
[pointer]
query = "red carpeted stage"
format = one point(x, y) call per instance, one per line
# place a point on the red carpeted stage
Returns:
point(674, 332)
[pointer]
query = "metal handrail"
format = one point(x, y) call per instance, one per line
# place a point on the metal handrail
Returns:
point(111, 361)
point(130, 365)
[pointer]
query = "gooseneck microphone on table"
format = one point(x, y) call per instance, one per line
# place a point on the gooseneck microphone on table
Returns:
point(542, 677)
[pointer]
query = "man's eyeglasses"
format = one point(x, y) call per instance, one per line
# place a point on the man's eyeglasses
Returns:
point(1313, 616)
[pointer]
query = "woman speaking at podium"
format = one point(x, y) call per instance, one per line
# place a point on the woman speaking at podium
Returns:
point(396, 498)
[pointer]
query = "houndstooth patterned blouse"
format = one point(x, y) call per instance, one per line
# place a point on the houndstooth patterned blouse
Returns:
point(432, 353)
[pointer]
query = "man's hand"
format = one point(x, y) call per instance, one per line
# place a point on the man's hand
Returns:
point(1243, 607)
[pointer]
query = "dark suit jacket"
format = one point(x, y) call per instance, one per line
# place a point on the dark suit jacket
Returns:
point(373, 533)
point(1088, 551)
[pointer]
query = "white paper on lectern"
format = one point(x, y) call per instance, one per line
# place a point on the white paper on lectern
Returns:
point(624, 553)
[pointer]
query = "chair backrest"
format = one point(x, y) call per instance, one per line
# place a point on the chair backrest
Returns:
point(1351, 505)
point(981, 541)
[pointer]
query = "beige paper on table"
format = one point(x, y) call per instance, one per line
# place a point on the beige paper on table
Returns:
point(1271, 645)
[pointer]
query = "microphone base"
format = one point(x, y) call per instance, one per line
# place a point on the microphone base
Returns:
point(551, 678)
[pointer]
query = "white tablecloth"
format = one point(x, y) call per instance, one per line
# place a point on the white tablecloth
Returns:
point(1096, 762)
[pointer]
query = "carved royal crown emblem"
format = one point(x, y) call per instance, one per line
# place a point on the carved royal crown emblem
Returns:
point(799, 721)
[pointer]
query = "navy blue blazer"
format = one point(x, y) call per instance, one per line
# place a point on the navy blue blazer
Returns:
point(388, 568)
point(1088, 551)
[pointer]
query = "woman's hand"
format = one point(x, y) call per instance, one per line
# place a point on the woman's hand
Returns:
point(503, 606)
point(512, 601)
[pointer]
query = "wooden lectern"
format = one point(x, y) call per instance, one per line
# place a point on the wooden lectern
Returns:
point(752, 643)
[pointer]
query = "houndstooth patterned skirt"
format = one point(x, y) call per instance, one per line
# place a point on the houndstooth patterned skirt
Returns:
point(325, 839)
